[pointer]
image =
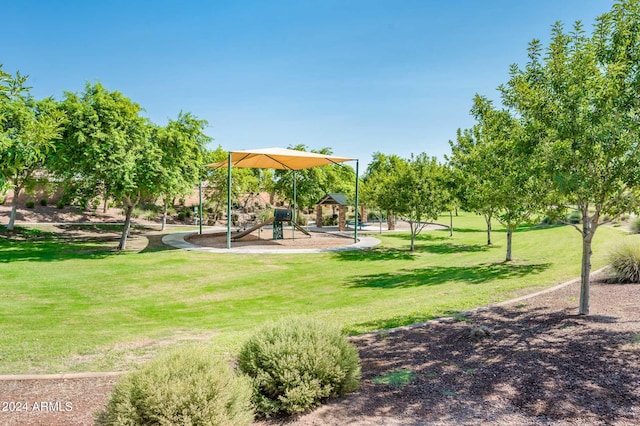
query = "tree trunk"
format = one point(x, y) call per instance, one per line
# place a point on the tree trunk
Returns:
point(585, 277)
point(509, 241)
point(390, 223)
point(412, 247)
point(450, 223)
point(585, 274)
point(164, 215)
point(488, 220)
point(126, 228)
point(14, 207)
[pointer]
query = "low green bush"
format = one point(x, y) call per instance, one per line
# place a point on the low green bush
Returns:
point(625, 262)
point(30, 204)
point(150, 215)
point(575, 217)
point(635, 225)
point(43, 201)
point(188, 386)
point(297, 363)
point(330, 220)
point(60, 204)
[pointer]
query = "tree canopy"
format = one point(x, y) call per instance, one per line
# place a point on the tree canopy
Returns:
point(578, 102)
point(106, 150)
point(27, 130)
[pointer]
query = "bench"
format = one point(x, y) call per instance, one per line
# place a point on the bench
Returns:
point(351, 223)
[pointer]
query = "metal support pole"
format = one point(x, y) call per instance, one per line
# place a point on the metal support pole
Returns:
point(229, 201)
point(200, 212)
point(293, 214)
point(355, 228)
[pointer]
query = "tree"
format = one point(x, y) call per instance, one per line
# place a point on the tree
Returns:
point(420, 192)
point(107, 150)
point(579, 105)
point(182, 143)
point(502, 178)
point(378, 188)
point(27, 131)
point(475, 176)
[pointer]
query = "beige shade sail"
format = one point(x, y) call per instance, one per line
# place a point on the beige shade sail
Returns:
point(279, 158)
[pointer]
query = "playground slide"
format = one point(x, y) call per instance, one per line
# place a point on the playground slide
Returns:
point(300, 228)
point(250, 230)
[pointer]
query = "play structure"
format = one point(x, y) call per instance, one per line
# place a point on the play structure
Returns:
point(280, 217)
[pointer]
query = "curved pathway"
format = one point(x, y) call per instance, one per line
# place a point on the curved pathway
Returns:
point(178, 240)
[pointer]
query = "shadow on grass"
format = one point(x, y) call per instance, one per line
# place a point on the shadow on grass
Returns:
point(450, 248)
point(51, 251)
point(372, 255)
point(435, 275)
point(426, 236)
point(536, 361)
point(155, 244)
point(33, 244)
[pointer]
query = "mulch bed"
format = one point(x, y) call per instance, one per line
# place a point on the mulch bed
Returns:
point(539, 364)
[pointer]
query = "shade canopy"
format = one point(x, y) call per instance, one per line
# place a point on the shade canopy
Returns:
point(279, 158)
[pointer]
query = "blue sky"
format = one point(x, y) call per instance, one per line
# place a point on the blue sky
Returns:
point(358, 76)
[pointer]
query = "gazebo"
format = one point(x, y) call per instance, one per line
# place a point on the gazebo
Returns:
point(283, 159)
point(334, 199)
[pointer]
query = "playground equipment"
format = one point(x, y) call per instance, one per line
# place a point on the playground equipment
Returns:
point(280, 216)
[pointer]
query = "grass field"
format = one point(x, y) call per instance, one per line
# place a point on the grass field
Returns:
point(76, 305)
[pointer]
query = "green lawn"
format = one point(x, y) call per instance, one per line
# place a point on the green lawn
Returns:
point(75, 305)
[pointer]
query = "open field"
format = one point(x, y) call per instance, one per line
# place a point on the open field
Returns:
point(73, 304)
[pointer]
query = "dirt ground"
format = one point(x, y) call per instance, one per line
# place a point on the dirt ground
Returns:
point(264, 238)
point(530, 362)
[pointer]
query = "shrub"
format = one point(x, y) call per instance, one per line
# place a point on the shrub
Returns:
point(43, 201)
point(150, 215)
point(575, 217)
point(187, 386)
point(297, 363)
point(625, 262)
point(330, 220)
point(635, 225)
point(136, 213)
point(60, 204)
point(30, 204)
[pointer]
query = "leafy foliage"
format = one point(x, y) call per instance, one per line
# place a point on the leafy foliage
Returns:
point(182, 143)
point(27, 130)
point(107, 151)
point(577, 100)
point(188, 386)
point(297, 363)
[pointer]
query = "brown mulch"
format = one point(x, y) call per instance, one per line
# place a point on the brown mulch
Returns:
point(264, 240)
point(540, 364)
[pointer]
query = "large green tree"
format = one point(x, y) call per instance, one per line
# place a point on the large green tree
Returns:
point(502, 178)
point(420, 192)
point(107, 150)
point(474, 176)
point(182, 143)
point(579, 104)
point(378, 184)
point(28, 129)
